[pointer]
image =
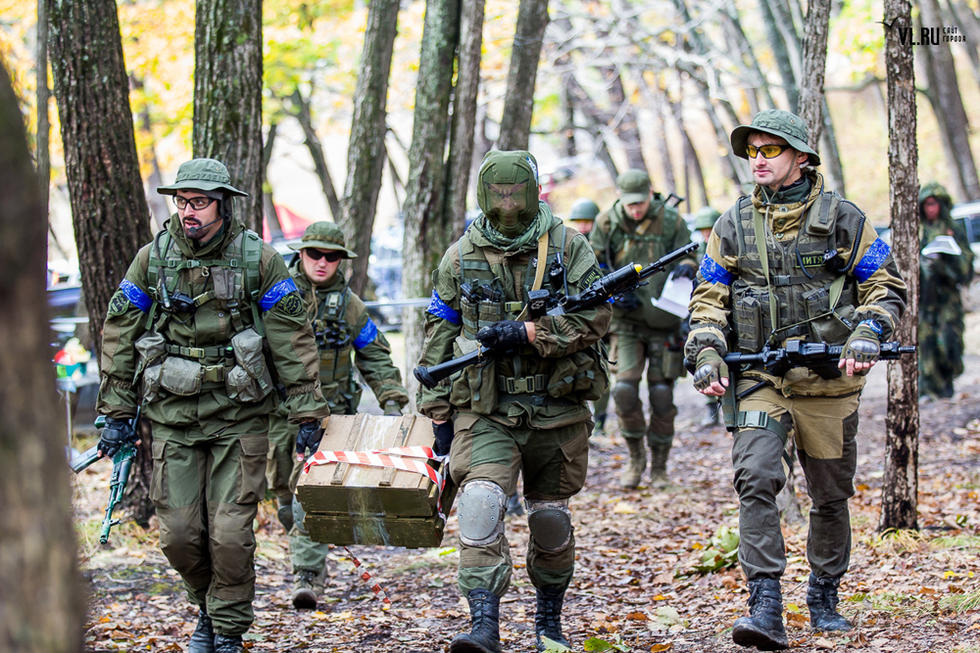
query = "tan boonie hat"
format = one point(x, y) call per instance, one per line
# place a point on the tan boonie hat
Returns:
point(634, 186)
point(323, 235)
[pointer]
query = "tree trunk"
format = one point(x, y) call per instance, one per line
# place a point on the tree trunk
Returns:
point(623, 123)
point(900, 485)
point(744, 47)
point(42, 604)
point(228, 94)
point(964, 18)
point(42, 154)
point(515, 124)
point(464, 114)
point(947, 90)
point(833, 172)
point(778, 45)
point(692, 166)
point(654, 97)
point(268, 198)
point(427, 230)
point(810, 106)
point(111, 219)
point(303, 114)
point(366, 149)
point(160, 208)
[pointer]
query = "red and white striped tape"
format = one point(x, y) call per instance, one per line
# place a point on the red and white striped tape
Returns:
point(366, 577)
point(409, 459)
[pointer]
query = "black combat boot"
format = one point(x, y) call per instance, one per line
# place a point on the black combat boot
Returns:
point(284, 511)
point(600, 424)
point(763, 629)
point(485, 617)
point(821, 598)
point(304, 590)
point(202, 641)
point(547, 619)
point(228, 644)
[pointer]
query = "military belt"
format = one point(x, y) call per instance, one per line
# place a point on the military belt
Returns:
point(517, 385)
point(200, 353)
point(212, 373)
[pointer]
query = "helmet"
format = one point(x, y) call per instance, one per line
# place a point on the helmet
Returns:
point(777, 122)
point(584, 209)
point(634, 186)
point(204, 175)
point(323, 235)
point(507, 190)
point(706, 217)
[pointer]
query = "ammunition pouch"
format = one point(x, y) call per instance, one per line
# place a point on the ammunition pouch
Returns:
point(582, 376)
point(181, 376)
point(751, 312)
point(150, 348)
point(477, 384)
point(249, 380)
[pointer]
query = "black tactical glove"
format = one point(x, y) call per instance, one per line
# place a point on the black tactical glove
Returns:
point(685, 270)
point(503, 334)
point(628, 301)
point(863, 344)
point(116, 434)
point(392, 408)
point(444, 437)
point(308, 437)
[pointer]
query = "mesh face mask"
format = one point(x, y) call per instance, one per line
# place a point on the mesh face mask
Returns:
point(506, 204)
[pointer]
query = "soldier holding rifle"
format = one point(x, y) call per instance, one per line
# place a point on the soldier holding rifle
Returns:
point(792, 262)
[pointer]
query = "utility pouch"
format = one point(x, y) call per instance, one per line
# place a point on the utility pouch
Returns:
point(748, 323)
point(180, 376)
point(491, 312)
point(826, 326)
point(477, 384)
point(224, 283)
point(582, 374)
point(249, 380)
point(150, 348)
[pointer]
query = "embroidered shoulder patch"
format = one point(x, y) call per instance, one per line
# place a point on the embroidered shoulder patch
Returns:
point(119, 303)
point(291, 305)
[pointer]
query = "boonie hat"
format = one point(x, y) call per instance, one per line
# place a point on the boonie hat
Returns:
point(201, 174)
point(634, 186)
point(777, 122)
point(323, 235)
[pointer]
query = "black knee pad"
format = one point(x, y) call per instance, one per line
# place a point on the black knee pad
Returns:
point(550, 523)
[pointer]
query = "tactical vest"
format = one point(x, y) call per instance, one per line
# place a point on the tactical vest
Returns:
point(484, 301)
point(796, 289)
point(335, 340)
point(238, 364)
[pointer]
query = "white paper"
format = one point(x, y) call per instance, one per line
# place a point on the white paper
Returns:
point(942, 245)
point(676, 296)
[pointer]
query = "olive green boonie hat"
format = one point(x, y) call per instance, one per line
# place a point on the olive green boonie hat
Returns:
point(634, 186)
point(788, 126)
point(323, 235)
point(706, 217)
point(203, 175)
point(584, 209)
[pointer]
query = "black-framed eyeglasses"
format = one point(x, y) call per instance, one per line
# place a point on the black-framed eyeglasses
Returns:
point(769, 151)
point(317, 254)
point(197, 203)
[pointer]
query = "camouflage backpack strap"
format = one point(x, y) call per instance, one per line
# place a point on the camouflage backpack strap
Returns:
point(156, 277)
point(252, 258)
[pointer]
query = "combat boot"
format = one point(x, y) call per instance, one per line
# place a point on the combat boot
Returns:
point(284, 511)
point(304, 590)
point(547, 619)
point(763, 629)
point(821, 598)
point(484, 637)
point(202, 641)
point(630, 478)
point(710, 414)
point(658, 464)
point(228, 644)
point(600, 424)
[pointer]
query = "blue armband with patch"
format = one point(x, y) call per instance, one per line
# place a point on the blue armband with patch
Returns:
point(441, 309)
point(276, 293)
point(714, 272)
point(871, 260)
point(135, 295)
point(366, 336)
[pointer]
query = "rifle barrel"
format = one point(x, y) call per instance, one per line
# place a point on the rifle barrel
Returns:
point(432, 375)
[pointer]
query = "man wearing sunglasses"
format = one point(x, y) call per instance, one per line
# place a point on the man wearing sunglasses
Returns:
point(204, 319)
point(794, 261)
point(343, 331)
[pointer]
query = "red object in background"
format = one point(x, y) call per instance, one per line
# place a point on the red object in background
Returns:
point(293, 225)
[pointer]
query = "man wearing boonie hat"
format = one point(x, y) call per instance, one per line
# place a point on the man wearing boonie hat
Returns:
point(792, 262)
point(640, 227)
point(185, 340)
point(343, 330)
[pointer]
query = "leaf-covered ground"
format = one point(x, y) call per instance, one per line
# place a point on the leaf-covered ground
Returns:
point(634, 584)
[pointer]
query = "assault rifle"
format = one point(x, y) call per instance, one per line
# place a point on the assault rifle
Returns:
point(543, 302)
point(122, 462)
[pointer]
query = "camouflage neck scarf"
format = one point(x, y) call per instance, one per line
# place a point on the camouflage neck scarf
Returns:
point(543, 221)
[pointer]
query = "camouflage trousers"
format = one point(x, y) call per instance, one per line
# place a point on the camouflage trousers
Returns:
point(206, 491)
point(553, 463)
point(634, 352)
point(940, 348)
point(824, 430)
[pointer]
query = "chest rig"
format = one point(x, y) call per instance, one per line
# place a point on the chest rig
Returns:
point(333, 336)
point(642, 242)
point(792, 287)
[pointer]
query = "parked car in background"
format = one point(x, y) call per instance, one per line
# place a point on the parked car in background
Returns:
point(968, 214)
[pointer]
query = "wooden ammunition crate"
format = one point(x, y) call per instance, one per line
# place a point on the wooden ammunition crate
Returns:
point(348, 503)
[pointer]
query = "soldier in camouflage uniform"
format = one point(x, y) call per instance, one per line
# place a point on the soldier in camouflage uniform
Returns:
point(792, 261)
point(184, 339)
point(941, 278)
point(704, 220)
point(524, 412)
point(640, 227)
point(343, 330)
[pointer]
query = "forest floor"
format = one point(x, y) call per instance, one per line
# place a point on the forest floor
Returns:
point(635, 586)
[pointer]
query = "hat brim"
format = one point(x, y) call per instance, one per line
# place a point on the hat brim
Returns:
point(199, 185)
point(740, 138)
point(635, 198)
point(299, 245)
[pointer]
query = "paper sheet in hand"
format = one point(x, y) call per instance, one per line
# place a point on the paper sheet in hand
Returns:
point(942, 245)
point(676, 296)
